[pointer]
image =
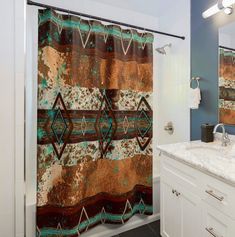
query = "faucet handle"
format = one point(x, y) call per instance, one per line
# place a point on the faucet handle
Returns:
point(226, 136)
point(225, 139)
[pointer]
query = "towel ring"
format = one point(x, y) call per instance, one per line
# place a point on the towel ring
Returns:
point(197, 79)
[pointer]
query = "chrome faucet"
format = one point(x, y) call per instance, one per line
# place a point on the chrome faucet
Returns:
point(224, 139)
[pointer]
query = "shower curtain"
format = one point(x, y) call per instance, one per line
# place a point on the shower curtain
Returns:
point(227, 87)
point(94, 150)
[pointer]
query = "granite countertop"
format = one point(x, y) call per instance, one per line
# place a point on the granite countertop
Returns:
point(210, 158)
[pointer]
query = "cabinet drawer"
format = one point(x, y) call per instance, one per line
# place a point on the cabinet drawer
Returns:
point(174, 171)
point(216, 224)
point(218, 195)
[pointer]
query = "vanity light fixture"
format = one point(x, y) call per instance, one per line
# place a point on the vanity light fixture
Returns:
point(222, 4)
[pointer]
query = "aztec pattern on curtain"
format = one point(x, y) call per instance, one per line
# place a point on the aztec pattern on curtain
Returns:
point(94, 124)
point(227, 87)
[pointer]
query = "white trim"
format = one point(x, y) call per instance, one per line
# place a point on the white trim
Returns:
point(31, 120)
point(19, 100)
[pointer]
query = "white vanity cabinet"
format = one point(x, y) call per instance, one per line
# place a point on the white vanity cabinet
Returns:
point(194, 204)
point(180, 212)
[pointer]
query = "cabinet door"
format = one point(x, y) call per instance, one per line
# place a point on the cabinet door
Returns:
point(170, 212)
point(215, 223)
point(191, 221)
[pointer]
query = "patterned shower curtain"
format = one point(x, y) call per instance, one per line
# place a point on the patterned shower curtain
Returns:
point(227, 87)
point(94, 151)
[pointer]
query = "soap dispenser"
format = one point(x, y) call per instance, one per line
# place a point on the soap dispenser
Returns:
point(207, 132)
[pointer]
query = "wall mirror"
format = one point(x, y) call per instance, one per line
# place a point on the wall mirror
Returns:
point(227, 74)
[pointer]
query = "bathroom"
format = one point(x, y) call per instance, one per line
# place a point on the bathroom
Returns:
point(127, 146)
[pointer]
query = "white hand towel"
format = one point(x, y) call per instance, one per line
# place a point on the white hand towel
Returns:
point(194, 98)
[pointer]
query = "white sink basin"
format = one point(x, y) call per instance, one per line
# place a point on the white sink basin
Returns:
point(209, 151)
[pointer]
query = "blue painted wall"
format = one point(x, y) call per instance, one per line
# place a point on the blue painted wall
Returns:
point(204, 63)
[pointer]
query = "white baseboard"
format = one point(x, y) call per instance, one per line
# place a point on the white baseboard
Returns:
point(109, 230)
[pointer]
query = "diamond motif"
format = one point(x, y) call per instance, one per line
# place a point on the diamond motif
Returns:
point(127, 207)
point(125, 50)
point(82, 34)
point(105, 125)
point(125, 125)
point(59, 26)
point(83, 212)
point(143, 44)
point(144, 130)
point(142, 203)
point(106, 34)
point(60, 125)
point(103, 213)
point(83, 126)
point(142, 137)
point(60, 230)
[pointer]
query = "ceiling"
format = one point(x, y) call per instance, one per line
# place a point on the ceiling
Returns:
point(148, 7)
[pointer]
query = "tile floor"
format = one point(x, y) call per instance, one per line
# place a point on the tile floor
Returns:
point(150, 230)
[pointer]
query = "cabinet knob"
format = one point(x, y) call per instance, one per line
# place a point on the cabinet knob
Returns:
point(174, 191)
point(178, 194)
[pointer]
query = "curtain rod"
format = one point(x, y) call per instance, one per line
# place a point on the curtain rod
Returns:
point(32, 3)
point(224, 47)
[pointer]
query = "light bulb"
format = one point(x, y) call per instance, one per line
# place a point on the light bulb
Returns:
point(228, 10)
point(211, 11)
point(228, 3)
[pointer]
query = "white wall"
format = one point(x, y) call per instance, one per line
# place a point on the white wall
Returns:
point(7, 120)
point(227, 40)
point(173, 75)
point(12, 119)
point(227, 35)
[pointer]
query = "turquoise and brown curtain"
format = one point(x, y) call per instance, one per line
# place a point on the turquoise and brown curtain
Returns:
point(94, 124)
point(227, 87)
